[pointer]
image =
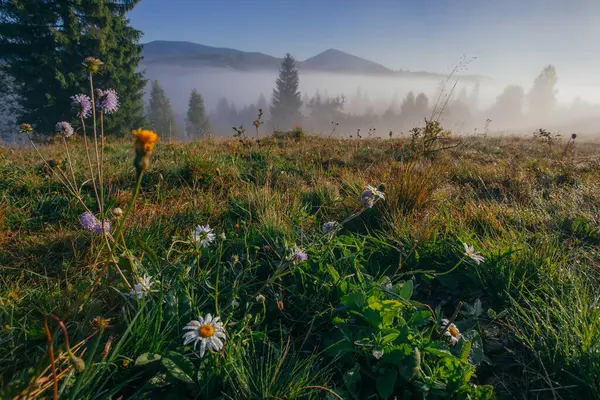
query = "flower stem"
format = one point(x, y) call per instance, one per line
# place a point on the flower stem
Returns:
point(52, 360)
point(131, 203)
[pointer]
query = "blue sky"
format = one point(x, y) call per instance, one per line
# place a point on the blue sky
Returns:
point(509, 37)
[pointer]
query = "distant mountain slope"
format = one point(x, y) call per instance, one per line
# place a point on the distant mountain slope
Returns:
point(338, 61)
point(190, 54)
point(193, 54)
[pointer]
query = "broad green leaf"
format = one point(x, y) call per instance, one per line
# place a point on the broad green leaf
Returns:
point(334, 274)
point(352, 380)
point(179, 366)
point(407, 290)
point(465, 350)
point(412, 365)
point(385, 383)
point(355, 301)
point(146, 358)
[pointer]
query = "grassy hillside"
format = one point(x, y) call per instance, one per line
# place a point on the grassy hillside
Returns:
point(352, 313)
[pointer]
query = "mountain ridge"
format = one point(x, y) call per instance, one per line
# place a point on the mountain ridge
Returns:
point(190, 54)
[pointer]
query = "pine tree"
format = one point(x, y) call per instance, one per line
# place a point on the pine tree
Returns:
point(285, 107)
point(196, 120)
point(44, 43)
point(160, 112)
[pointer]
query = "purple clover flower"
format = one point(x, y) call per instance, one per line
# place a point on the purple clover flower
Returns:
point(82, 105)
point(64, 128)
point(108, 101)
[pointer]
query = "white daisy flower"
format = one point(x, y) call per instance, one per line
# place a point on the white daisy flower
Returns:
point(203, 235)
point(370, 196)
point(208, 331)
point(450, 331)
point(472, 254)
point(143, 287)
point(376, 192)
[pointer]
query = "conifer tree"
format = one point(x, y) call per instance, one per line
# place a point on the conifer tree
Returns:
point(196, 120)
point(542, 96)
point(160, 112)
point(285, 107)
point(44, 43)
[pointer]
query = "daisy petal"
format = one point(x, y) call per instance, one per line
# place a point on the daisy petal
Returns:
point(202, 348)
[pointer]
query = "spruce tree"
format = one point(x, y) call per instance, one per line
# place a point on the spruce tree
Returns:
point(44, 43)
point(196, 121)
point(285, 107)
point(160, 113)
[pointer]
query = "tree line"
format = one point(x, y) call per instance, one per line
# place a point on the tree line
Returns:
point(43, 43)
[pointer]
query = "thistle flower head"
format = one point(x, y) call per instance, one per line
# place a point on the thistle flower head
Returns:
point(92, 64)
point(25, 128)
point(108, 101)
point(82, 105)
point(64, 128)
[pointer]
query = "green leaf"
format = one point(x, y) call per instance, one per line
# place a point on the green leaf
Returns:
point(333, 272)
point(407, 290)
point(178, 366)
point(412, 365)
point(146, 358)
point(385, 383)
point(465, 350)
point(352, 380)
point(355, 301)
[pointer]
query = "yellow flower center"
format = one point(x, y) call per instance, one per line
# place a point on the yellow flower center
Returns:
point(453, 331)
point(206, 331)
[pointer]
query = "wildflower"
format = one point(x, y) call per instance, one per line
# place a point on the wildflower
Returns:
point(329, 226)
point(235, 303)
point(98, 228)
point(88, 221)
point(370, 196)
point(235, 259)
point(208, 331)
point(267, 248)
point(472, 254)
point(13, 296)
point(100, 323)
point(218, 171)
point(377, 353)
point(126, 362)
point(82, 105)
point(451, 331)
point(203, 235)
point(260, 299)
point(108, 101)
point(223, 237)
point(78, 363)
point(25, 128)
point(92, 64)
point(64, 128)
point(299, 255)
point(117, 212)
point(144, 144)
point(143, 287)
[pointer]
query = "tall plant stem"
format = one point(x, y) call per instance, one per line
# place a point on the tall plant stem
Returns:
point(87, 152)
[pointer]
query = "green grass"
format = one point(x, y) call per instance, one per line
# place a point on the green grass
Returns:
point(360, 319)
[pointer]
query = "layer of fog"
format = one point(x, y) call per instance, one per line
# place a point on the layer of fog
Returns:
point(575, 109)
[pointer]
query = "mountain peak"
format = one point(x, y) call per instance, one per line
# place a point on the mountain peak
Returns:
point(337, 60)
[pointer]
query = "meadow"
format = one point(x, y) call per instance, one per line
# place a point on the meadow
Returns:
point(338, 268)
